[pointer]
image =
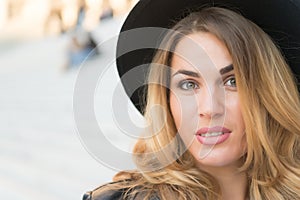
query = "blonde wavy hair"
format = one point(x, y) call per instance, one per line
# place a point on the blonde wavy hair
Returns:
point(270, 107)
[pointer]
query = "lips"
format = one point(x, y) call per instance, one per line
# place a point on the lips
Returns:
point(213, 130)
point(213, 135)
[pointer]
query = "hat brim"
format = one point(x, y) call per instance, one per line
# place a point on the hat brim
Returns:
point(278, 18)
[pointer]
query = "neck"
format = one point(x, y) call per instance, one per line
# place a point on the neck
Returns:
point(233, 184)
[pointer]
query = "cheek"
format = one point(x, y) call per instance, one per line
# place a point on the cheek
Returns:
point(234, 111)
point(175, 107)
point(236, 118)
point(237, 115)
point(184, 115)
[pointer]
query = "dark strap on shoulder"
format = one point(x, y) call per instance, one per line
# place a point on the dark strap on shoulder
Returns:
point(108, 195)
point(87, 196)
point(113, 195)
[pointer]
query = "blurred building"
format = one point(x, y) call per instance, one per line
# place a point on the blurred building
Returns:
point(36, 18)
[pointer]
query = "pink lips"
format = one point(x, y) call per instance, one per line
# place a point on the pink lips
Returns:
point(212, 140)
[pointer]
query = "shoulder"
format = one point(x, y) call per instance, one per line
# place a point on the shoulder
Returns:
point(105, 193)
point(102, 193)
point(108, 195)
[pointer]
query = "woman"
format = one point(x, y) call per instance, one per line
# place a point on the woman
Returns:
point(232, 98)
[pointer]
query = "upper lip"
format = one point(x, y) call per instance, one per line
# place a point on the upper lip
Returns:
point(213, 129)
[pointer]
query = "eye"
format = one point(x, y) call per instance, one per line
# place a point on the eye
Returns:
point(188, 85)
point(230, 82)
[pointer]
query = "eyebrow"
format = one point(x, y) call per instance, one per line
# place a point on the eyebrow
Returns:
point(224, 70)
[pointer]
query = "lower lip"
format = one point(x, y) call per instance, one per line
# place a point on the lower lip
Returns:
point(213, 140)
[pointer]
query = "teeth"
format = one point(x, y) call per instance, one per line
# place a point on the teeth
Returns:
point(212, 134)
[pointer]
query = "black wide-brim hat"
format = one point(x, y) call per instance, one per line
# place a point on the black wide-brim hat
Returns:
point(280, 19)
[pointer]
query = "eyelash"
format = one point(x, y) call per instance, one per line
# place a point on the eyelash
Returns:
point(183, 83)
point(228, 79)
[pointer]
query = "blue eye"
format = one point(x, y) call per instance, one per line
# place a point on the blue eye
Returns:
point(188, 85)
point(230, 82)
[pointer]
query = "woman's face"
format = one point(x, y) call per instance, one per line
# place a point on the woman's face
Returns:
point(204, 101)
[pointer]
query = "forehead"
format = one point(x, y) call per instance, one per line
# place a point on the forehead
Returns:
point(200, 51)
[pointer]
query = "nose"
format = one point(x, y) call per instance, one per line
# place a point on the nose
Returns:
point(211, 102)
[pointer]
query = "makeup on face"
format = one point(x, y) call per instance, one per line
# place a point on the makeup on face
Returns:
point(204, 101)
point(213, 135)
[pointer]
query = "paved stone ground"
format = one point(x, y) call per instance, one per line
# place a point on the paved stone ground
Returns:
point(41, 156)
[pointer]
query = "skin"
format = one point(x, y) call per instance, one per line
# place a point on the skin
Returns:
point(202, 97)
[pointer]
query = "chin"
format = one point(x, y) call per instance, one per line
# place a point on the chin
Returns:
point(210, 157)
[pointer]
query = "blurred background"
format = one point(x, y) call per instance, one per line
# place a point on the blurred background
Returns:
point(42, 45)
